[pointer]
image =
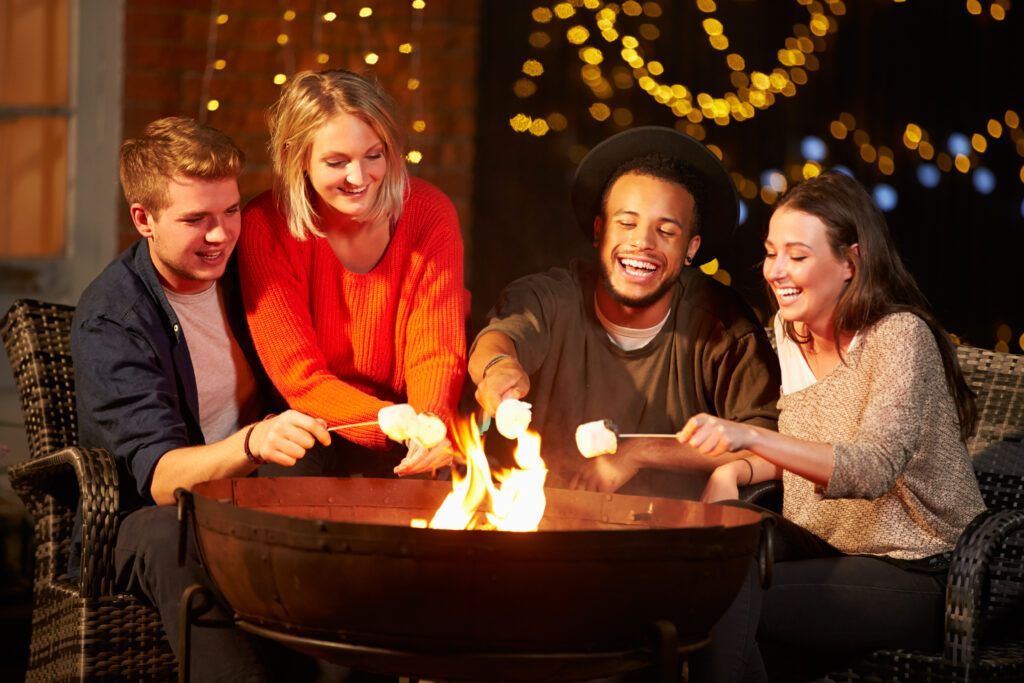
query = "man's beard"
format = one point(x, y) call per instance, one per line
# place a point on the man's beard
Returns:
point(637, 302)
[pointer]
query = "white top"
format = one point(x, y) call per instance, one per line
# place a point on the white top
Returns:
point(796, 372)
point(629, 338)
point(224, 380)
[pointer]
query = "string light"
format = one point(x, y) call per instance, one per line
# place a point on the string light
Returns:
point(289, 38)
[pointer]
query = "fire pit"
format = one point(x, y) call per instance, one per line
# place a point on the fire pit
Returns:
point(333, 567)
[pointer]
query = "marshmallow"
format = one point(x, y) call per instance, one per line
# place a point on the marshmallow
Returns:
point(398, 422)
point(597, 438)
point(513, 417)
point(430, 430)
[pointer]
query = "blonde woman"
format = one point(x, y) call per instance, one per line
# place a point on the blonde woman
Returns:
point(352, 270)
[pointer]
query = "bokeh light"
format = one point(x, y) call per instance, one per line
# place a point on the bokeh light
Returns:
point(885, 196)
point(928, 175)
point(813, 148)
point(958, 144)
point(984, 180)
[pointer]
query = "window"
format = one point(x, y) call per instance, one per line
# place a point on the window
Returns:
point(60, 121)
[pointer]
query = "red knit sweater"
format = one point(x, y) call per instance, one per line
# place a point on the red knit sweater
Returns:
point(340, 345)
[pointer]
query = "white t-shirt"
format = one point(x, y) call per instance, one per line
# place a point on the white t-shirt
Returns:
point(629, 338)
point(224, 380)
point(796, 373)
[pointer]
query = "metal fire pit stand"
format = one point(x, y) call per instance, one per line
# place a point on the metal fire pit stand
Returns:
point(665, 654)
point(655, 645)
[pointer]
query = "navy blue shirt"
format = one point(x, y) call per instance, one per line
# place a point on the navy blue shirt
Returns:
point(134, 384)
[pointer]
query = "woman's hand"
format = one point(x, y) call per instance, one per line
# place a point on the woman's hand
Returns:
point(421, 459)
point(712, 435)
point(285, 438)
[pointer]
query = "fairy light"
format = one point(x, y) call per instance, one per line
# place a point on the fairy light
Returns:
point(755, 91)
point(290, 37)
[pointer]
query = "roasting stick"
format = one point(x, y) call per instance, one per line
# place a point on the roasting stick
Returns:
point(646, 436)
point(338, 428)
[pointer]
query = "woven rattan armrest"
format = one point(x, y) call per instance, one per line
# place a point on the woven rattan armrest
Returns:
point(969, 581)
point(767, 494)
point(51, 487)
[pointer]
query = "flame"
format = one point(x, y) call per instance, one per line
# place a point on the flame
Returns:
point(513, 500)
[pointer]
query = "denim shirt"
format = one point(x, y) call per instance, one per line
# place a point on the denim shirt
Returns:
point(135, 388)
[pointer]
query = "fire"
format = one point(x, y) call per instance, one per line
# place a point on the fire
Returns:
point(512, 501)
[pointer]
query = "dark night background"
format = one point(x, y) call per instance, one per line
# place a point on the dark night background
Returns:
point(889, 64)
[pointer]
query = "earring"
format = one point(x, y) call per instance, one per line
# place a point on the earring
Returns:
point(688, 260)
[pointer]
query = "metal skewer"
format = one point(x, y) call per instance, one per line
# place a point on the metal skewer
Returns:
point(646, 436)
point(337, 428)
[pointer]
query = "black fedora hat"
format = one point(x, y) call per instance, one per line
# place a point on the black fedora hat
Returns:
point(720, 209)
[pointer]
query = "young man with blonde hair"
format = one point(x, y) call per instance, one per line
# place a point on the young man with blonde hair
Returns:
point(166, 375)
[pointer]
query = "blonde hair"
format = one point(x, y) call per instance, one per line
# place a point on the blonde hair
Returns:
point(309, 101)
point(176, 145)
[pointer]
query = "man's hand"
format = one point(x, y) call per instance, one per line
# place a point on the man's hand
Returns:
point(713, 436)
point(285, 438)
point(504, 379)
point(421, 459)
point(606, 473)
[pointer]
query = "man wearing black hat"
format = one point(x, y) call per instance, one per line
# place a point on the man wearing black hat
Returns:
point(639, 338)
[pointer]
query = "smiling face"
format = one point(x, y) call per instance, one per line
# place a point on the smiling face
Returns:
point(346, 166)
point(643, 241)
point(191, 240)
point(804, 273)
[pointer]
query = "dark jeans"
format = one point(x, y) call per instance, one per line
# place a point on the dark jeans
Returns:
point(823, 606)
point(147, 564)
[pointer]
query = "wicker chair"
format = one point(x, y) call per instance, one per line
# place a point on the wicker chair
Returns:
point(984, 620)
point(81, 630)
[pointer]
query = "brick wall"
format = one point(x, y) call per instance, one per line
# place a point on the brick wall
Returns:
point(167, 48)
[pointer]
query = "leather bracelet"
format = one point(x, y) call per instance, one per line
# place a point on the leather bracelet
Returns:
point(492, 362)
point(252, 457)
point(751, 468)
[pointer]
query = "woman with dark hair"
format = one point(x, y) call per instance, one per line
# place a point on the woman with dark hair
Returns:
point(874, 415)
